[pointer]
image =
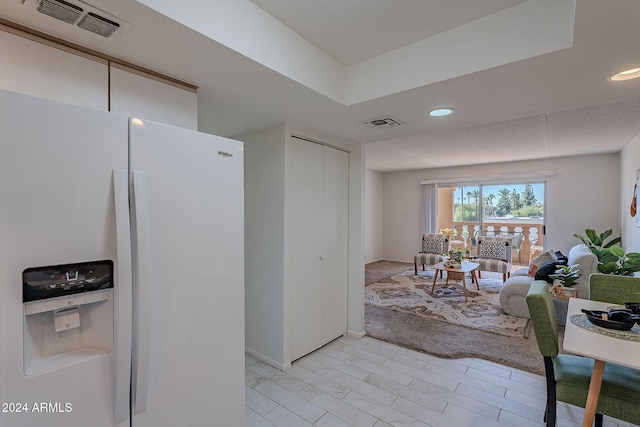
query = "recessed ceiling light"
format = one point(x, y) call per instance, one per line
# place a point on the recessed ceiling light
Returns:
point(441, 112)
point(633, 73)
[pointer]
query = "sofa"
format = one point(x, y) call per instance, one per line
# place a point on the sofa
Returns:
point(514, 291)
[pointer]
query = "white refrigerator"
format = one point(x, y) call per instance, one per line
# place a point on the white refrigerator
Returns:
point(121, 270)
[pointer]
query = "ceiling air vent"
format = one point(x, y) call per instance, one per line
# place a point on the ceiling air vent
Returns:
point(98, 24)
point(82, 15)
point(61, 10)
point(384, 123)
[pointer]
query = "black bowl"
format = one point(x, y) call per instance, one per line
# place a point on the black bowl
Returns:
point(595, 317)
point(633, 306)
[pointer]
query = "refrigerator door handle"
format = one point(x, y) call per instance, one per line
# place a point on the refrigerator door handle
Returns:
point(141, 292)
point(122, 368)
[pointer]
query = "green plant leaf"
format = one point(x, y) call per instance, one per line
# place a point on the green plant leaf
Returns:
point(632, 262)
point(582, 239)
point(605, 256)
point(617, 251)
point(606, 234)
point(608, 268)
point(615, 241)
point(592, 236)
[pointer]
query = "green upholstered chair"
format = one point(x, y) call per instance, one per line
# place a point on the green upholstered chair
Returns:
point(568, 376)
point(614, 289)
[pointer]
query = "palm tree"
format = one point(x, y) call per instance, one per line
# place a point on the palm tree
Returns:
point(488, 203)
point(503, 208)
point(473, 194)
point(528, 196)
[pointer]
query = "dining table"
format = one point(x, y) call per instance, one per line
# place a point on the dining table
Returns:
point(603, 345)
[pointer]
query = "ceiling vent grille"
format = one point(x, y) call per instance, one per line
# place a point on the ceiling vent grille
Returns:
point(61, 10)
point(98, 24)
point(82, 15)
point(384, 123)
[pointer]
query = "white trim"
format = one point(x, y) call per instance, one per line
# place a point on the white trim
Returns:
point(269, 361)
point(315, 141)
point(356, 334)
point(489, 178)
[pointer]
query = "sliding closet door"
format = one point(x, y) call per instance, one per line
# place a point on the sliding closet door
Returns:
point(335, 243)
point(305, 236)
point(318, 233)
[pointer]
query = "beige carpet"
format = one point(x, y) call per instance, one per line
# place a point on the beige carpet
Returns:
point(409, 293)
point(444, 339)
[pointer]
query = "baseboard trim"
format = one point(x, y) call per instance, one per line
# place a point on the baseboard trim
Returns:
point(397, 260)
point(357, 334)
point(269, 361)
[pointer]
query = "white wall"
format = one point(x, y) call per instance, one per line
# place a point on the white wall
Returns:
point(629, 164)
point(584, 192)
point(373, 216)
point(264, 162)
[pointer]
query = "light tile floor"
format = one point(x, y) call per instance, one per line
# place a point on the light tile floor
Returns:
point(367, 382)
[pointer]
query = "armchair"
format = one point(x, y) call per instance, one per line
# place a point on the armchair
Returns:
point(494, 254)
point(433, 246)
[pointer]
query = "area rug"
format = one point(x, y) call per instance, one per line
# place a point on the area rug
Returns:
point(408, 293)
point(451, 341)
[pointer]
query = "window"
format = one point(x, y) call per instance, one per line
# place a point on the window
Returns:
point(517, 209)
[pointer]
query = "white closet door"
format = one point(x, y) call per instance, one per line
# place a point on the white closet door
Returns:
point(335, 243)
point(305, 228)
point(318, 186)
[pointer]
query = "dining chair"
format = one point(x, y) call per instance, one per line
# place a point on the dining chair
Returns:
point(614, 289)
point(434, 246)
point(568, 376)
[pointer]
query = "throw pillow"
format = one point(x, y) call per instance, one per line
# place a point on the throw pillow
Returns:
point(539, 260)
point(433, 245)
point(561, 256)
point(494, 249)
point(550, 267)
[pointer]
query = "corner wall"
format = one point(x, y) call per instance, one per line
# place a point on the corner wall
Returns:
point(373, 216)
point(629, 164)
point(264, 163)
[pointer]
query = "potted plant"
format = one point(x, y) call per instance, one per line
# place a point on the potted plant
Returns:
point(611, 257)
point(566, 276)
point(454, 258)
point(596, 242)
point(615, 261)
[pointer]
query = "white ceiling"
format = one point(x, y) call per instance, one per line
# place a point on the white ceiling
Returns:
point(394, 23)
point(527, 82)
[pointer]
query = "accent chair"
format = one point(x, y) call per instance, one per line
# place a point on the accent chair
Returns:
point(433, 247)
point(494, 254)
point(568, 376)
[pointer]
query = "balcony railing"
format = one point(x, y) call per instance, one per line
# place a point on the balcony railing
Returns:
point(531, 242)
